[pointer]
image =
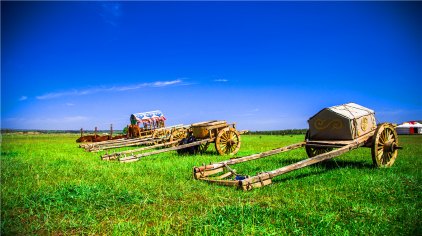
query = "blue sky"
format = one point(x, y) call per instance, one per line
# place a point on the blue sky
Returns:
point(264, 65)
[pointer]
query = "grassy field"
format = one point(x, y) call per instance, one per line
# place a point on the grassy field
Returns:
point(50, 186)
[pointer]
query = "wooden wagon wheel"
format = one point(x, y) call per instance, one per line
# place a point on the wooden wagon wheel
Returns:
point(227, 141)
point(315, 151)
point(385, 144)
point(160, 134)
point(202, 148)
point(177, 135)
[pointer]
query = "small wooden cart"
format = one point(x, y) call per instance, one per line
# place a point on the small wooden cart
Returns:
point(332, 132)
point(196, 140)
point(146, 128)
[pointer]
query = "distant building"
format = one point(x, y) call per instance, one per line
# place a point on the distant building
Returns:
point(411, 127)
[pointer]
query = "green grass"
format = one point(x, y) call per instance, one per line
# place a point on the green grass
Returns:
point(50, 186)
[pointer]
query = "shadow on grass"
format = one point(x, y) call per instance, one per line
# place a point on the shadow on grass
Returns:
point(325, 167)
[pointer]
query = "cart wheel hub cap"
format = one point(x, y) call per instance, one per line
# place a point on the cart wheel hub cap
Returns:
point(390, 147)
point(230, 142)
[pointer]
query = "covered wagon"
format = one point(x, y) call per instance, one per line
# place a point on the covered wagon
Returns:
point(332, 132)
point(343, 122)
point(148, 120)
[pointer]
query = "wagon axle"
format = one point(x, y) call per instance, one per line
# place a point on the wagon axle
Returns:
point(391, 146)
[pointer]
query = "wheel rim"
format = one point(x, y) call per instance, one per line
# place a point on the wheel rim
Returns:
point(315, 151)
point(384, 149)
point(177, 134)
point(227, 142)
point(202, 148)
point(159, 135)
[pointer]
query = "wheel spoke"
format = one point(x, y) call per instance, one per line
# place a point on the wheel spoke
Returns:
point(382, 137)
point(389, 155)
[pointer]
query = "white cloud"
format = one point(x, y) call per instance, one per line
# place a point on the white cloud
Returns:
point(76, 92)
point(23, 98)
point(221, 80)
point(69, 104)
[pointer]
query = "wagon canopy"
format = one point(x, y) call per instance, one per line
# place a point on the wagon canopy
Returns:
point(149, 116)
point(343, 122)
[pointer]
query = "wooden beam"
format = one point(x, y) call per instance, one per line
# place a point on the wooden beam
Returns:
point(137, 157)
point(250, 157)
point(113, 155)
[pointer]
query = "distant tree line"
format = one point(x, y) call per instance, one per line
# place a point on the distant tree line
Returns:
point(26, 131)
point(279, 132)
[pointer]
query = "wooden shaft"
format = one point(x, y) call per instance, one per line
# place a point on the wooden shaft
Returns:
point(111, 131)
point(203, 122)
point(165, 150)
point(120, 141)
point(116, 141)
point(121, 144)
point(251, 157)
point(139, 149)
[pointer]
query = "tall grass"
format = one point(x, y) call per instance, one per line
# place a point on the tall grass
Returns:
point(50, 186)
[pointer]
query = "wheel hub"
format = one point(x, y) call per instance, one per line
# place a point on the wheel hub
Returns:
point(391, 146)
point(230, 143)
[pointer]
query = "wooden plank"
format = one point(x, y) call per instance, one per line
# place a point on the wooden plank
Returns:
point(149, 141)
point(329, 142)
point(108, 156)
point(212, 172)
point(203, 122)
point(256, 185)
point(250, 157)
point(223, 182)
point(325, 145)
point(167, 149)
point(223, 176)
point(116, 142)
point(216, 126)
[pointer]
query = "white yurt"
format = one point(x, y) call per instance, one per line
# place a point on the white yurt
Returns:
point(411, 127)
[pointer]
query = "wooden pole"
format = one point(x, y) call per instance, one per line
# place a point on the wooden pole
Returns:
point(114, 155)
point(249, 158)
point(137, 157)
point(95, 132)
point(82, 132)
point(111, 131)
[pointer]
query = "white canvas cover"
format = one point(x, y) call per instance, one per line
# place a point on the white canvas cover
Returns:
point(149, 116)
point(342, 122)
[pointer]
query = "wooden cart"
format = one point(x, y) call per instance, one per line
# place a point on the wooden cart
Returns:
point(156, 136)
point(146, 128)
point(351, 125)
point(196, 140)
